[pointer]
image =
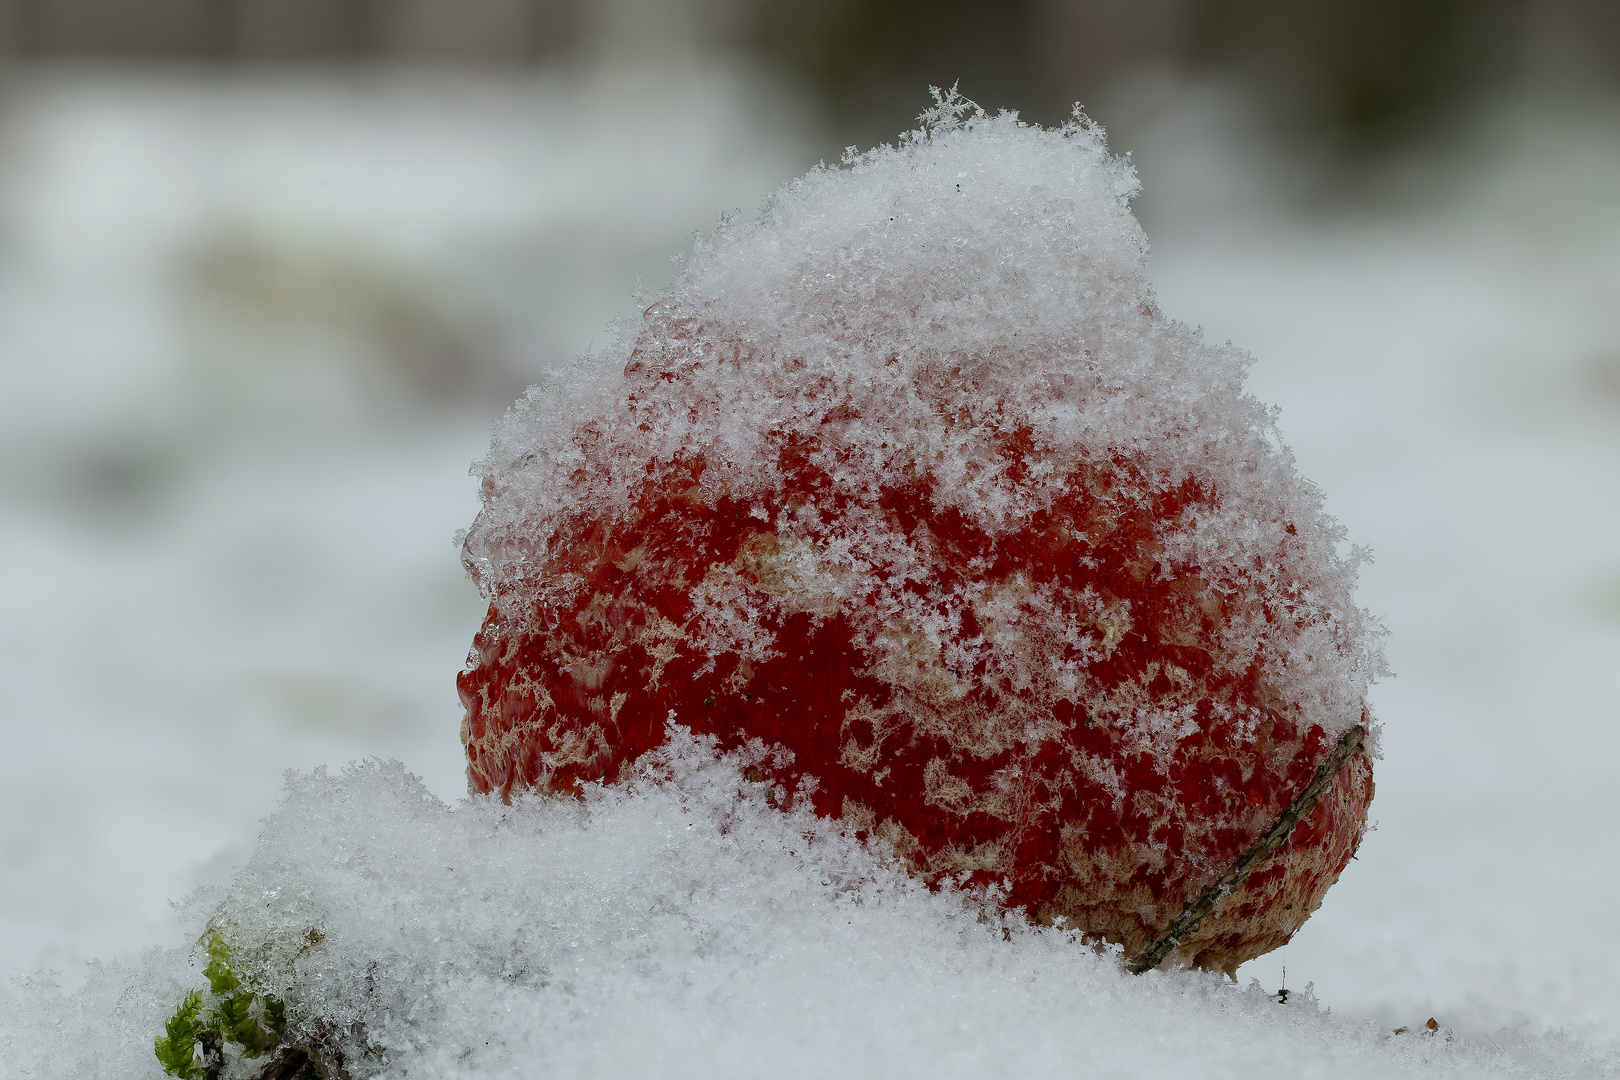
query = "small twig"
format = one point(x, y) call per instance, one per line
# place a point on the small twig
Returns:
point(1350, 744)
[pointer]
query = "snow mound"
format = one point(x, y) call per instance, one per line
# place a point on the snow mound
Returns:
point(681, 924)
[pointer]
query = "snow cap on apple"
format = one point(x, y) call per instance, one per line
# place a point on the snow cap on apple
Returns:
point(911, 477)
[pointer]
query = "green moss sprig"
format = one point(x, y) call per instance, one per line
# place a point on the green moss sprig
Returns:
point(176, 1048)
point(192, 1046)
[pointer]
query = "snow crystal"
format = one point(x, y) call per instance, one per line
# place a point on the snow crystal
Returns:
point(682, 924)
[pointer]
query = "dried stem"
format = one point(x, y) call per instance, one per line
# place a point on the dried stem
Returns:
point(1350, 744)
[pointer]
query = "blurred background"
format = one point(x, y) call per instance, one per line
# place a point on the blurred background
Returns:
point(269, 269)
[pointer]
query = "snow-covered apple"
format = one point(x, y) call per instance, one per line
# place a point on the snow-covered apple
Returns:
point(911, 477)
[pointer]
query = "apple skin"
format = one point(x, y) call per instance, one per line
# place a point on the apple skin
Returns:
point(963, 749)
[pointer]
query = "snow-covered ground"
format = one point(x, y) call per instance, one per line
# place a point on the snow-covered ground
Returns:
point(252, 331)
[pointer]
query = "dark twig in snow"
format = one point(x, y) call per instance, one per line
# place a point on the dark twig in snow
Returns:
point(1350, 744)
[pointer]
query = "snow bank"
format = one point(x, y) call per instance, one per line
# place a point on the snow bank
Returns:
point(679, 925)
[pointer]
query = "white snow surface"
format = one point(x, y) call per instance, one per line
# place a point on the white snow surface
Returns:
point(682, 925)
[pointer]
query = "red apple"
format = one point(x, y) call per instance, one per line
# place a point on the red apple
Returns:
point(1038, 600)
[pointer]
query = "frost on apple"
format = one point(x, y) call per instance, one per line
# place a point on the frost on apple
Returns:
point(911, 478)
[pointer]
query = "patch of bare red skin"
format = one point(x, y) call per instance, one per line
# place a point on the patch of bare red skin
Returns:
point(799, 699)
